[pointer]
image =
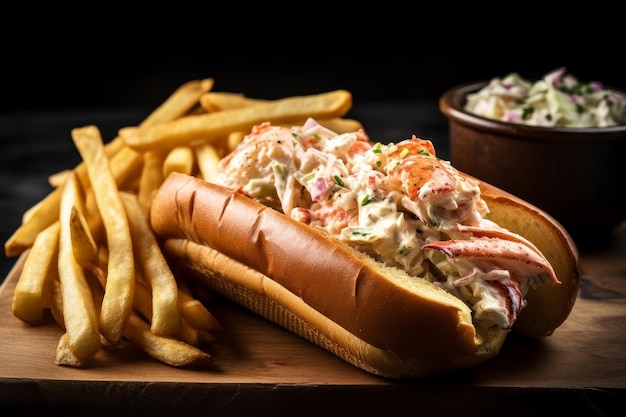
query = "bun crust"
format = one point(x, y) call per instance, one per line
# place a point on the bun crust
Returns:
point(377, 318)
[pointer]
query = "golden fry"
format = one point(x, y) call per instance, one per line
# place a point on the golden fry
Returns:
point(197, 314)
point(56, 301)
point(47, 210)
point(209, 126)
point(79, 312)
point(34, 286)
point(85, 248)
point(179, 102)
point(208, 161)
point(179, 159)
point(234, 139)
point(151, 177)
point(219, 101)
point(120, 285)
point(57, 179)
point(167, 350)
point(65, 355)
point(166, 317)
point(188, 334)
point(341, 125)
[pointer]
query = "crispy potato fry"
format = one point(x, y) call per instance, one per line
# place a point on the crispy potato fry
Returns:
point(32, 210)
point(56, 301)
point(219, 101)
point(197, 314)
point(188, 333)
point(79, 312)
point(167, 350)
point(166, 317)
point(120, 285)
point(179, 159)
point(57, 179)
point(85, 248)
point(126, 167)
point(207, 127)
point(34, 286)
point(179, 102)
point(151, 177)
point(234, 139)
point(208, 160)
point(341, 125)
point(47, 210)
point(65, 356)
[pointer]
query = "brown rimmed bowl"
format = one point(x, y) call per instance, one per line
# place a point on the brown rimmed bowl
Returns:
point(577, 175)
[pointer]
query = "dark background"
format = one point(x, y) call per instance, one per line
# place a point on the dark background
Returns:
point(107, 56)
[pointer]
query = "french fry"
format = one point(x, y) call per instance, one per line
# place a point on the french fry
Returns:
point(166, 317)
point(179, 159)
point(79, 312)
point(341, 125)
point(151, 177)
point(220, 101)
point(120, 284)
point(167, 350)
point(56, 301)
point(125, 167)
point(84, 246)
point(209, 126)
point(197, 314)
point(179, 102)
point(65, 355)
point(47, 210)
point(208, 160)
point(188, 333)
point(234, 139)
point(33, 289)
point(57, 179)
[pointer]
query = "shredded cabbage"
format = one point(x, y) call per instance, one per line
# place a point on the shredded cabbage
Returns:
point(559, 99)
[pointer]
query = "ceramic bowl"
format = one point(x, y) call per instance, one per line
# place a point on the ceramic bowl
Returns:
point(577, 175)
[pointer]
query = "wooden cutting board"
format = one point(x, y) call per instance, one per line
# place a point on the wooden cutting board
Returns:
point(257, 361)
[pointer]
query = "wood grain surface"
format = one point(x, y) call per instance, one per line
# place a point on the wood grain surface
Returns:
point(583, 364)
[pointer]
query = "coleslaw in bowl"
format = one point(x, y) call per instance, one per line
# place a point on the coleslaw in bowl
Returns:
point(558, 99)
point(575, 174)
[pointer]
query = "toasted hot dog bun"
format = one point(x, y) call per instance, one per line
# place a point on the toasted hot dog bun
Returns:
point(375, 317)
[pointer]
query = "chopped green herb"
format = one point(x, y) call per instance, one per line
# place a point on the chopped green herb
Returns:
point(403, 251)
point(366, 200)
point(527, 112)
point(339, 181)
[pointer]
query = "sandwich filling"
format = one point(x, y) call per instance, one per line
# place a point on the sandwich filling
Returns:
point(397, 202)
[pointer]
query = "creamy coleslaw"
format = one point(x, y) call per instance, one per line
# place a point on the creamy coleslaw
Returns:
point(559, 99)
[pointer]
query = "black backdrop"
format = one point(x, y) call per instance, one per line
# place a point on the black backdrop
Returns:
point(109, 57)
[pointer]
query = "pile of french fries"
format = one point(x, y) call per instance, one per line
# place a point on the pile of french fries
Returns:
point(91, 258)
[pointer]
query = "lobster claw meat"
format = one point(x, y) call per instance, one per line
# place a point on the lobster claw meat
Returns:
point(507, 263)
